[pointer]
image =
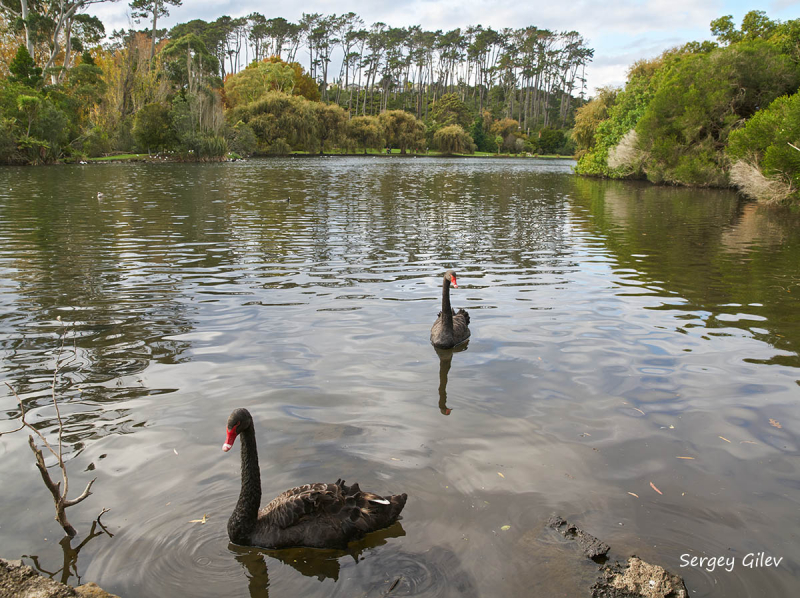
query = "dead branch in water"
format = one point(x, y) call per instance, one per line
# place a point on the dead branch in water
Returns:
point(58, 491)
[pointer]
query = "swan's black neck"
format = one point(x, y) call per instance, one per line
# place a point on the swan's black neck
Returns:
point(447, 311)
point(244, 516)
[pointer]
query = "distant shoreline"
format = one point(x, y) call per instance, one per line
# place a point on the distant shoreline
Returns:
point(164, 159)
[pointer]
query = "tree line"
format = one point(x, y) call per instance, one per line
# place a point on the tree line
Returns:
point(257, 85)
point(722, 113)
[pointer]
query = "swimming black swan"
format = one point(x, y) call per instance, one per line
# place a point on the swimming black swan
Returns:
point(314, 515)
point(450, 328)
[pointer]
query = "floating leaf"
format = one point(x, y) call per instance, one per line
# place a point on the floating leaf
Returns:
point(725, 439)
point(639, 410)
point(505, 528)
point(633, 494)
point(653, 486)
point(394, 459)
point(500, 474)
point(175, 451)
point(685, 457)
point(775, 423)
point(203, 520)
point(747, 442)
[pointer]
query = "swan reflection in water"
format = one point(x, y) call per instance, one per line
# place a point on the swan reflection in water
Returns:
point(311, 562)
point(445, 360)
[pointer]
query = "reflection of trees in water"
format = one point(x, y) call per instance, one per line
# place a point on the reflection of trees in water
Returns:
point(117, 271)
point(719, 254)
point(340, 225)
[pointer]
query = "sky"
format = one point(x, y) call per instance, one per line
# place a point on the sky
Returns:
point(621, 31)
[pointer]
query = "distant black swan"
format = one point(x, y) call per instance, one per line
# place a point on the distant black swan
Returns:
point(450, 328)
point(314, 515)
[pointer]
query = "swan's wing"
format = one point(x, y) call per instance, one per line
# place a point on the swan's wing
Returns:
point(357, 512)
point(462, 313)
point(290, 507)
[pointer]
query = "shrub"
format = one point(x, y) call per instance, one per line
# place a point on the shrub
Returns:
point(279, 147)
point(152, 127)
point(765, 143)
point(243, 139)
point(96, 142)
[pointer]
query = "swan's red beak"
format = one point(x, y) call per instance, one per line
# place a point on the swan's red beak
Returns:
point(230, 439)
point(454, 281)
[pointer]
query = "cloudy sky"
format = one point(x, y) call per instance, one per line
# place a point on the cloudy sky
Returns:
point(621, 31)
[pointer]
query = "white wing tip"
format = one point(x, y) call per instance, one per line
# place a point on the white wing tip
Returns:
point(379, 501)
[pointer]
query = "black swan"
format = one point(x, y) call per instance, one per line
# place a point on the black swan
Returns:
point(450, 328)
point(314, 515)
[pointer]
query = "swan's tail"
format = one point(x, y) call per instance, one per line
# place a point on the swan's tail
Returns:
point(365, 512)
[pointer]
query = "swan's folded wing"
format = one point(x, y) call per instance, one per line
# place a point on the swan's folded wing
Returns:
point(290, 507)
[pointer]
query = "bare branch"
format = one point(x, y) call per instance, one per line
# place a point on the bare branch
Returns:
point(59, 496)
point(53, 487)
point(794, 146)
point(75, 501)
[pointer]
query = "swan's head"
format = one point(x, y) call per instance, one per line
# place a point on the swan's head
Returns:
point(238, 422)
point(451, 276)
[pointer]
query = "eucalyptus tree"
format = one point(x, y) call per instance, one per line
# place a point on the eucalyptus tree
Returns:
point(257, 33)
point(347, 30)
point(308, 23)
point(376, 44)
point(324, 36)
point(394, 63)
point(141, 9)
point(50, 25)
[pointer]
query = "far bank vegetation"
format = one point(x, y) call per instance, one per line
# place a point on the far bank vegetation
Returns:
point(717, 114)
point(258, 85)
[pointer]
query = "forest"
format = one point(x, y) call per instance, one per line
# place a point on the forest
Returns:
point(71, 91)
point(722, 113)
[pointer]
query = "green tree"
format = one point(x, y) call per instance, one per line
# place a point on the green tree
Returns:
point(366, 132)
point(755, 25)
point(331, 124)
point(30, 106)
point(450, 110)
point(402, 130)
point(24, 70)
point(152, 127)
point(453, 139)
point(685, 127)
point(257, 79)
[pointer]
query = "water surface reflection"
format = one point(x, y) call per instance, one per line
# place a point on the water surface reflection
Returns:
point(617, 330)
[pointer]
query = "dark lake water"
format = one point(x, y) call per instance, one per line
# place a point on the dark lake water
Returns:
point(616, 328)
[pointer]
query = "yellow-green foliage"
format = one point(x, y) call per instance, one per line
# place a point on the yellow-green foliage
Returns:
point(402, 130)
point(257, 79)
point(366, 132)
point(590, 115)
point(453, 140)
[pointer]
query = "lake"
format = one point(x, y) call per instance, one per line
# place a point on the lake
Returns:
point(634, 366)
